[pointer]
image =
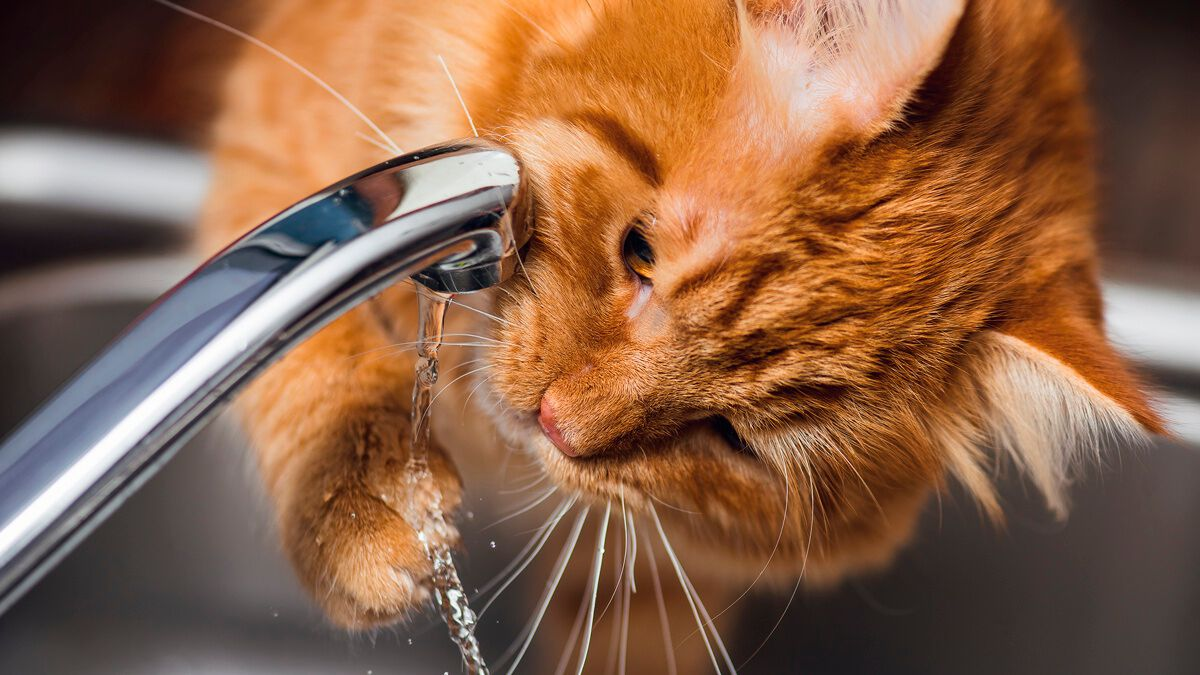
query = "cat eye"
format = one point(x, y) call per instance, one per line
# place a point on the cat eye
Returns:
point(636, 251)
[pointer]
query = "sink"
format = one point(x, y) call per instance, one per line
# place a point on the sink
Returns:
point(187, 577)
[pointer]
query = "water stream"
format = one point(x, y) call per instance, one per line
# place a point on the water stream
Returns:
point(425, 513)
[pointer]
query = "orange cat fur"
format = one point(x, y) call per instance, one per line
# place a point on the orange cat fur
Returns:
point(872, 268)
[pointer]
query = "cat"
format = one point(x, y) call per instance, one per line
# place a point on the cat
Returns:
point(796, 266)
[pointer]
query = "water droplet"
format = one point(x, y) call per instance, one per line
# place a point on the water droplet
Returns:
point(470, 515)
point(410, 641)
point(275, 615)
point(493, 544)
point(353, 515)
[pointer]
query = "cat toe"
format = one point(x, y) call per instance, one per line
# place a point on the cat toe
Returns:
point(362, 561)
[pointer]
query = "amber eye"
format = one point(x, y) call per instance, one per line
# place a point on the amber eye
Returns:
point(639, 257)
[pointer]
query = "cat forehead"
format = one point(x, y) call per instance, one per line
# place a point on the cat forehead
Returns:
point(775, 78)
point(698, 85)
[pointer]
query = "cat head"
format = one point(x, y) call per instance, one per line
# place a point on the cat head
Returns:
point(796, 262)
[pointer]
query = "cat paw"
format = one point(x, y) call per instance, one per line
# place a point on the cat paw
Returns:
point(344, 531)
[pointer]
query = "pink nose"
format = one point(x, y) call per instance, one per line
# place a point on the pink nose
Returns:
point(549, 422)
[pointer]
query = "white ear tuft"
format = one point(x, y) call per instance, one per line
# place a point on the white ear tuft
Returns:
point(855, 61)
point(1043, 414)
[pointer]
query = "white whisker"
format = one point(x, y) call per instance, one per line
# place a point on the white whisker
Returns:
point(458, 94)
point(803, 565)
point(391, 145)
point(778, 539)
point(375, 142)
point(673, 507)
point(693, 599)
point(525, 488)
point(397, 348)
point(522, 560)
point(587, 636)
point(560, 566)
point(525, 509)
point(473, 390)
point(664, 622)
point(480, 312)
point(629, 587)
point(460, 366)
point(569, 645)
point(530, 21)
point(633, 546)
point(446, 387)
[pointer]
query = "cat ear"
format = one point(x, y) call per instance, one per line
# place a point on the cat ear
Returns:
point(1047, 393)
point(849, 61)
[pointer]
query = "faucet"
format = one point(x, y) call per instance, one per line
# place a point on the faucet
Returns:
point(451, 216)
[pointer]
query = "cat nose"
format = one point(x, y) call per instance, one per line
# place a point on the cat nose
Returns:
point(549, 422)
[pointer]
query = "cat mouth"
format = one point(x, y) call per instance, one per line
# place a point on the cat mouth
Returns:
point(611, 474)
point(718, 430)
point(737, 444)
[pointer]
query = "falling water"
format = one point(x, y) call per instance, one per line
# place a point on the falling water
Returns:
point(430, 521)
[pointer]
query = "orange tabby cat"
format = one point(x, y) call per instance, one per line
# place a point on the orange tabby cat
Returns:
point(795, 264)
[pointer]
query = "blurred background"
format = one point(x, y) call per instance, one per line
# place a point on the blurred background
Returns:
point(104, 108)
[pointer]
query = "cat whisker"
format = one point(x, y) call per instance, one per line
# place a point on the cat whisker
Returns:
point(572, 637)
point(530, 21)
point(458, 94)
point(846, 460)
point(512, 296)
point(329, 89)
point(401, 347)
point(778, 622)
point(803, 567)
point(693, 599)
point(709, 622)
point(482, 338)
point(621, 562)
point(527, 555)
point(365, 137)
point(560, 566)
point(614, 633)
point(525, 488)
point(462, 365)
point(629, 586)
point(486, 338)
point(787, 497)
point(525, 509)
point(392, 350)
point(446, 387)
point(633, 547)
point(595, 588)
point(489, 315)
point(664, 622)
point(528, 464)
point(472, 393)
point(672, 506)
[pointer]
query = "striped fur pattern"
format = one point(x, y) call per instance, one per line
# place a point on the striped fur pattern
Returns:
point(874, 269)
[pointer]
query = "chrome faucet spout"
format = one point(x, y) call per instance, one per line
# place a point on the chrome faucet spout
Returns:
point(453, 216)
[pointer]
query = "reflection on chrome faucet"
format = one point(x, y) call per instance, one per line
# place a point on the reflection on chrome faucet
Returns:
point(452, 215)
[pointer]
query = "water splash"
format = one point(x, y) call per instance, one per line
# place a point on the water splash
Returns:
point(424, 510)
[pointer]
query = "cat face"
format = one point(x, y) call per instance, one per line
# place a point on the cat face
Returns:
point(793, 264)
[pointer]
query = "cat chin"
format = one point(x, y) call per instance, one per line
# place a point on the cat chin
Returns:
point(740, 537)
point(629, 476)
